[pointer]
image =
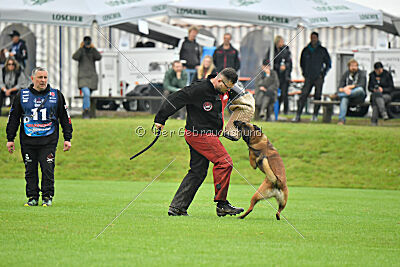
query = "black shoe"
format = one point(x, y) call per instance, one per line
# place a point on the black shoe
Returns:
point(177, 212)
point(296, 119)
point(225, 208)
point(86, 114)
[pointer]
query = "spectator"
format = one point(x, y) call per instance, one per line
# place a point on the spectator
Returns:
point(206, 68)
point(283, 66)
point(315, 62)
point(18, 49)
point(11, 80)
point(190, 52)
point(174, 80)
point(226, 56)
point(87, 55)
point(381, 86)
point(39, 109)
point(266, 91)
point(352, 88)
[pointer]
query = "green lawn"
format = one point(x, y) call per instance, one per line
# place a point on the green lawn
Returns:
point(341, 227)
point(315, 155)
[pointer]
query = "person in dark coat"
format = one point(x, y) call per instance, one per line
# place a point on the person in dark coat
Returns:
point(283, 67)
point(38, 111)
point(87, 55)
point(226, 56)
point(190, 53)
point(266, 91)
point(315, 63)
point(18, 49)
point(381, 87)
point(11, 80)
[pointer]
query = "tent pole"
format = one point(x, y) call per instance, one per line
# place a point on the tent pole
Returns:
point(272, 48)
point(60, 54)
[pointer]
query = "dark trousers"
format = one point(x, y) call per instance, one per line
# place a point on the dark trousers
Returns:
point(45, 156)
point(305, 92)
point(283, 98)
point(203, 149)
point(379, 101)
point(265, 103)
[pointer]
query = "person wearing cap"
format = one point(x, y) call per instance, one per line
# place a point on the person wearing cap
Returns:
point(87, 55)
point(18, 48)
point(381, 87)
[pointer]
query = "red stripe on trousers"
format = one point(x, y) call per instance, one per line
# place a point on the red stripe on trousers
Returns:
point(212, 149)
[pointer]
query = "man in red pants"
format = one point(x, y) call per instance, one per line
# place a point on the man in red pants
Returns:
point(205, 101)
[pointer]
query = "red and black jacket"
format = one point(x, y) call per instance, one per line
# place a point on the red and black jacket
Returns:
point(226, 58)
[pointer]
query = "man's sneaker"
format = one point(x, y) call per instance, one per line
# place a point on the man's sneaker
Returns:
point(46, 202)
point(177, 212)
point(31, 202)
point(225, 208)
point(385, 116)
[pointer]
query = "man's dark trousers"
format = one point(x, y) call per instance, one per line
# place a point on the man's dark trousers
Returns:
point(45, 156)
point(305, 92)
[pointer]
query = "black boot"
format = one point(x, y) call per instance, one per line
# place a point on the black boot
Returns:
point(177, 212)
point(225, 208)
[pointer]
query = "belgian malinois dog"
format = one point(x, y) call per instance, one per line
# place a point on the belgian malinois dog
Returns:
point(262, 154)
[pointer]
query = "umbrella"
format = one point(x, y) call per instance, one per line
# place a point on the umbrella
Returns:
point(289, 13)
point(79, 12)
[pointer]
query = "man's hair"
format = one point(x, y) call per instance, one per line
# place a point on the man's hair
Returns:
point(315, 33)
point(230, 74)
point(378, 65)
point(193, 28)
point(351, 61)
point(37, 69)
point(227, 33)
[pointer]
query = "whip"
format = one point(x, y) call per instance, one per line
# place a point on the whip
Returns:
point(158, 133)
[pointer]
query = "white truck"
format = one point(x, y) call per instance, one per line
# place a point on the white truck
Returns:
point(129, 72)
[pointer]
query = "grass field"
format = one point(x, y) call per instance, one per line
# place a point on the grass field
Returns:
point(341, 227)
point(315, 155)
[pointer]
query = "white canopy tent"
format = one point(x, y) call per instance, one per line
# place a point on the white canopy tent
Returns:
point(277, 14)
point(80, 13)
point(289, 13)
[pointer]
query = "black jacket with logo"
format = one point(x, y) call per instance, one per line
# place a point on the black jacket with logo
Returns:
point(16, 117)
point(204, 105)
